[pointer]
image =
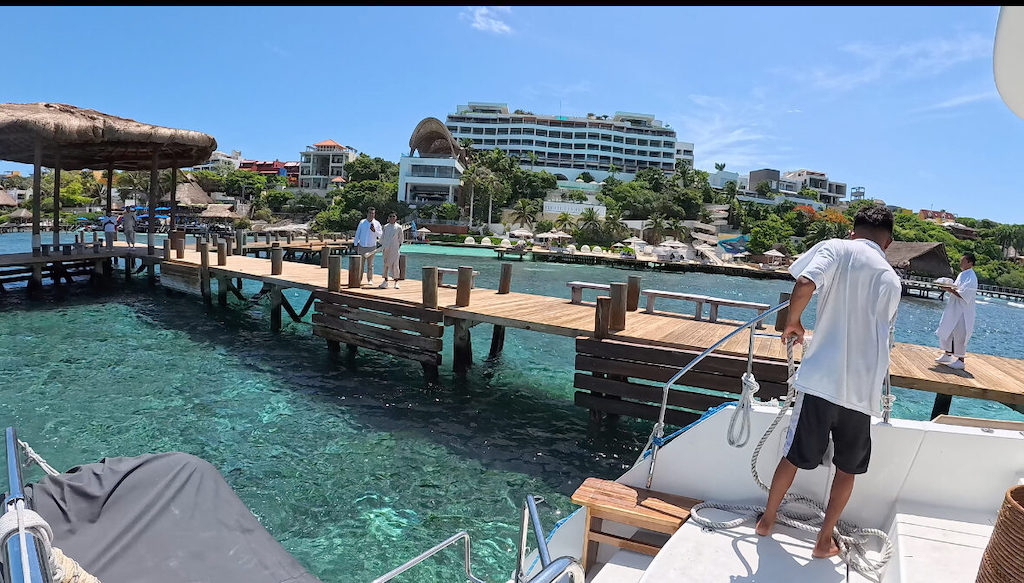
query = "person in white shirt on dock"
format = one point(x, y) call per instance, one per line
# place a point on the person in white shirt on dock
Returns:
point(957, 321)
point(839, 382)
point(391, 242)
point(367, 235)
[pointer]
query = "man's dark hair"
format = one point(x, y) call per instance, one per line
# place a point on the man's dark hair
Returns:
point(876, 218)
point(370, 210)
point(970, 257)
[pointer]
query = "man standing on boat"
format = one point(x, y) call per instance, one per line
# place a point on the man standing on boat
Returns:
point(391, 242)
point(839, 382)
point(367, 235)
point(957, 321)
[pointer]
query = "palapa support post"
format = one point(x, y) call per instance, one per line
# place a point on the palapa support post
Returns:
point(179, 248)
point(355, 271)
point(204, 271)
point(497, 341)
point(602, 316)
point(276, 297)
point(430, 287)
point(276, 260)
point(167, 249)
point(154, 193)
point(56, 206)
point(505, 281)
point(334, 274)
point(222, 253)
point(401, 266)
point(632, 293)
point(37, 193)
point(199, 242)
point(463, 347)
point(222, 290)
point(465, 285)
point(617, 320)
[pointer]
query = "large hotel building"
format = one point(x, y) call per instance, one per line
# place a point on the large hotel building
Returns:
point(566, 146)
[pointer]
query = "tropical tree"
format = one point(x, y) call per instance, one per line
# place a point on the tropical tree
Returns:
point(614, 227)
point(810, 193)
point(657, 226)
point(565, 222)
point(132, 184)
point(587, 177)
point(677, 229)
point(822, 230)
point(532, 156)
point(589, 221)
point(719, 166)
point(612, 170)
point(683, 174)
point(524, 212)
point(244, 184)
point(764, 189)
point(208, 180)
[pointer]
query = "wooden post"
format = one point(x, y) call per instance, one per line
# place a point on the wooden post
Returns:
point(325, 254)
point(204, 270)
point(505, 281)
point(617, 320)
point(179, 251)
point(497, 341)
point(56, 205)
point(276, 260)
point(783, 314)
point(464, 287)
point(401, 266)
point(602, 316)
point(110, 188)
point(307, 236)
point(288, 238)
point(355, 270)
point(199, 243)
point(173, 213)
point(632, 293)
point(154, 193)
point(240, 242)
point(430, 287)
point(167, 249)
point(275, 308)
point(266, 238)
point(222, 253)
point(941, 405)
point(463, 347)
point(334, 273)
point(228, 244)
point(222, 290)
point(37, 187)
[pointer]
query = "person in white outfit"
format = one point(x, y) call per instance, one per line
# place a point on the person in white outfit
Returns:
point(839, 382)
point(957, 321)
point(391, 242)
point(367, 235)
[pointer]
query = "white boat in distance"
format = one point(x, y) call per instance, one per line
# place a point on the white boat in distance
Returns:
point(931, 496)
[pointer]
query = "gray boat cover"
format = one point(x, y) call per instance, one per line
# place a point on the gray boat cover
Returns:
point(160, 518)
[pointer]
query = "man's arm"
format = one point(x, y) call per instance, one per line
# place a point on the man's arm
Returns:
point(803, 289)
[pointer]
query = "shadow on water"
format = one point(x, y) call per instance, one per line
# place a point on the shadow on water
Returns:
point(497, 415)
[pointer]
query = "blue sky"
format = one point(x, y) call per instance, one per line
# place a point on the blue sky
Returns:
point(900, 101)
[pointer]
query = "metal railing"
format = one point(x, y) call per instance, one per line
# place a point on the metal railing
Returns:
point(431, 552)
point(21, 554)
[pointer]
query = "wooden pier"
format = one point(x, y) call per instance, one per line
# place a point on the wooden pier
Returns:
point(622, 354)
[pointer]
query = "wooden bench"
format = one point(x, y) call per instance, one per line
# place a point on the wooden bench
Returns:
point(578, 287)
point(713, 303)
point(443, 270)
point(646, 509)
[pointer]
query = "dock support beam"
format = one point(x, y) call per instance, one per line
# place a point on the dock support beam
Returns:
point(325, 257)
point(602, 316)
point(464, 287)
point(204, 271)
point(941, 406)
point(430, 287)
point(276, 260)
point(497, 342)
point(463, 347)
point(632, 293)
point(401, 266)
point(334, 274)
point(276, 297)
point(355, 271)
point(618, 314)
point(222, 253)
point(505, 281)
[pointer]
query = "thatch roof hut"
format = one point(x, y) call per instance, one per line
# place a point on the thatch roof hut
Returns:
point(6, 199)
point(191, 194)
point(21, 215)
point(927, 259)
point(219, 211)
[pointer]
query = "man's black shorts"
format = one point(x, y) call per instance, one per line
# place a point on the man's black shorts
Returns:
point(813, 419)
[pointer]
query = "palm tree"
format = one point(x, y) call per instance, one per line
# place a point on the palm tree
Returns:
point(589, 221)
point(719, 166)
point(565, 222)
point(612, 169)
point(656, 224)
point(614, 227)
point(132, 182)
point(683, 173)
point(678, 229)
point(533, 161)
point(524, 212)
point(467, 145)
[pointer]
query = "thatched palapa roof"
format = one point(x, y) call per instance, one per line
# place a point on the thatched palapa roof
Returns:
point(21, 214)
point(219, 211)
point(86, 138)
point(919, 258)
point(7, 200)
point(432, 139)
point(190, 193)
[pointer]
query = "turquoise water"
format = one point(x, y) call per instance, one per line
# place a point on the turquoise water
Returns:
point(354, 465)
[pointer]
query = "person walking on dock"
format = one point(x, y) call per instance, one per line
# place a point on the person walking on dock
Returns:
point(110, 231)
point(128, 223)
point(367, 234)
point(957, 321)
point(391, 242)
point(839, 382)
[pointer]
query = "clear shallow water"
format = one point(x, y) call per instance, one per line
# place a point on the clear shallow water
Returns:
point(355, 466)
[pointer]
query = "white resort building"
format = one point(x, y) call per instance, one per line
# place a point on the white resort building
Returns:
point(234, 158)
point(432, 172)
point(567, 146)
point(322, 165)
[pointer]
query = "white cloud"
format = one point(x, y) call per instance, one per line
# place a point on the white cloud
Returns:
point(960, 101)
point(907, 60)
point(487, 18)
point(741, 137)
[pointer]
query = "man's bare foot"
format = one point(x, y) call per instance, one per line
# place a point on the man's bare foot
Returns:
point(764, 525)
point(825, 549)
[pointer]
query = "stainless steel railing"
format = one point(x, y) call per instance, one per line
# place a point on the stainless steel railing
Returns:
point(431, 552)
point(551, 570)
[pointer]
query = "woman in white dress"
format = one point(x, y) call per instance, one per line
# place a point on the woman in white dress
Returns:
point(391, 242)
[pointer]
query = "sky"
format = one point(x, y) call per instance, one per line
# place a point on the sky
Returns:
point(900, 101)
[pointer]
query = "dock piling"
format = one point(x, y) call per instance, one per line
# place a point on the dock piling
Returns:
point(179, 248)
point(167, 249)
point(334, 273)
point(325, 254)
point(222, 290)
point(276, 298)
point(276, 260)
point(617, 319)
point(497, 342)
point(602, 316)
point(505, 281)
point(462, 347)
point(222, 253)
point(464, 287)
point(204, 270)
point(430, 287)
point(355, 271)
point(401, 266)
point(782, 315)
point(228, 244)
point(632, 293)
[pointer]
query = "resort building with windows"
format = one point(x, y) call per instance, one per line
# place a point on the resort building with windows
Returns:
point(234, 158)
point(321, 163)
point(432, 172)
point(567, 146)
point(684, 151)
point(270, 168)
point(829, 191)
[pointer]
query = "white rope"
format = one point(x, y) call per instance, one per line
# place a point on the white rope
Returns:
point(38, 459)
point(738, 436)
point(850, 538)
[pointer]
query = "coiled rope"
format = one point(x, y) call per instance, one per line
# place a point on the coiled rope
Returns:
point(851, 539)
point(19, 520)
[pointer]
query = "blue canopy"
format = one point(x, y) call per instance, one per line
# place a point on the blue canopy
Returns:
point(163, 217)
point(163, 208)
point(82, 219)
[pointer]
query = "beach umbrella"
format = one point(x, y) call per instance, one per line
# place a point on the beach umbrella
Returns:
point(163, 208)
point(82, 219)
point(618, 246)
point(423, 230)
point(548, 235)
point(634, 241)
point(676, 244)
point(773, 253)
point(521, 233)
point(163, 216)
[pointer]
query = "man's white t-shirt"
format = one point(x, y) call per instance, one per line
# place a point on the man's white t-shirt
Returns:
point(858, 293)
point(364, 236)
